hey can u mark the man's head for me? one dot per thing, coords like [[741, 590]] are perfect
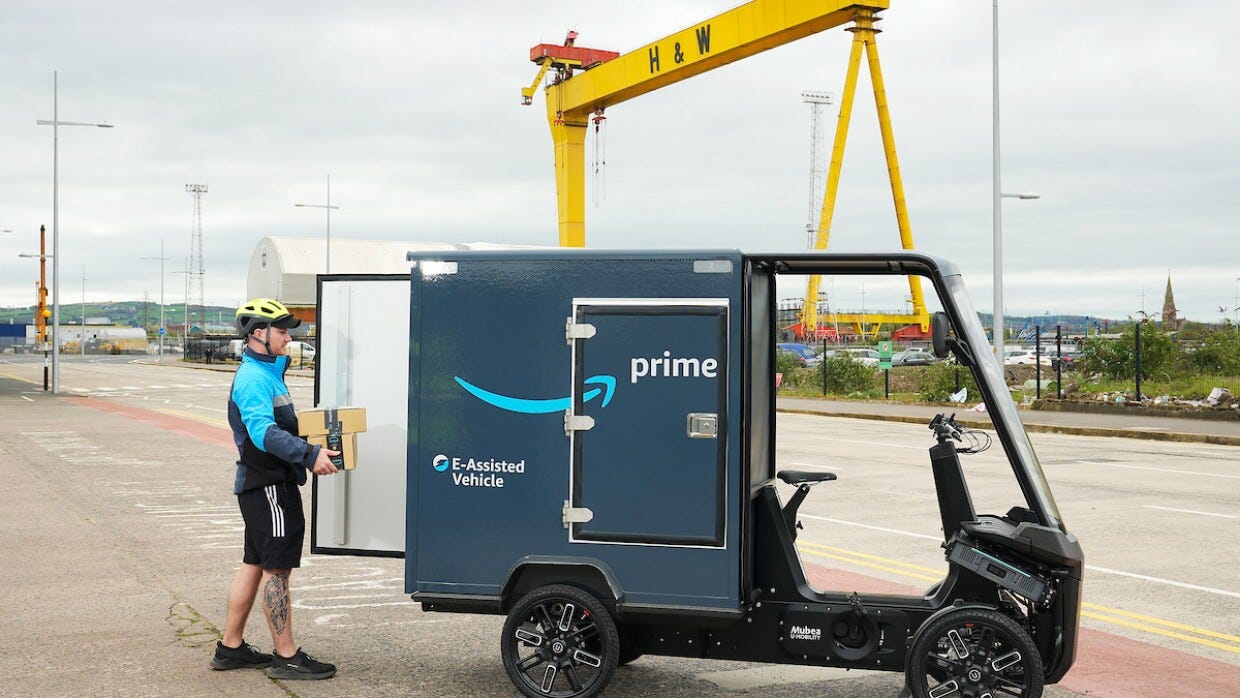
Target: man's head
[[265, 323]]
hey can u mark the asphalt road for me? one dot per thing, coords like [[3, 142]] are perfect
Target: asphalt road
[[123, 534]]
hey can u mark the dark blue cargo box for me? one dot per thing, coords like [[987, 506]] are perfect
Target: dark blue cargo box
[[571, 408]]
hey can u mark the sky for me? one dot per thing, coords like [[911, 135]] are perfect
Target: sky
[[1120, 115]]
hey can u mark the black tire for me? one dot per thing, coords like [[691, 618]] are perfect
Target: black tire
[[560, 642], [629, 651], [971, 653]]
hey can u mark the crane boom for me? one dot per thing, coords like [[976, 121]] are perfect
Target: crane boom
[[605, 79], [738, 33]]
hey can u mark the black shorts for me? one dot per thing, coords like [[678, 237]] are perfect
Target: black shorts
[[275, 526]]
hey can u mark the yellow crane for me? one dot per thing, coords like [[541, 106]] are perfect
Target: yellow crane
[[587, 81]]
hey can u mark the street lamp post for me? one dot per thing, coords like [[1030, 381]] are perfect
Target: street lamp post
[[998, 315], [82, 344], [162, 330], [56, 123], [40, 321], [185, 331], [328, 206]]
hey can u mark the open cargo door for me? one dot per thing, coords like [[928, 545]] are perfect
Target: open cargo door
[[363, 361]]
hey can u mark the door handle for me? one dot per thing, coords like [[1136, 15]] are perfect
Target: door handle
[[703, 425]]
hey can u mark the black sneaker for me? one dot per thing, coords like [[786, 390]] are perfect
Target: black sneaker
[[243, 657], [300, 666]]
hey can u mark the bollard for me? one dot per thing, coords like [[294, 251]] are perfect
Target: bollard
[[824, 365], [1059, 361], [1037, 348]]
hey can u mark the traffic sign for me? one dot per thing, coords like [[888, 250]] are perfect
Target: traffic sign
[[884, 354]]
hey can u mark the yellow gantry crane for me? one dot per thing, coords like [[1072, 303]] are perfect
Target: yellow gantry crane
[[587, 81]]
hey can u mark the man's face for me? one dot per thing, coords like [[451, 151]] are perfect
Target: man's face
[[277, 338]]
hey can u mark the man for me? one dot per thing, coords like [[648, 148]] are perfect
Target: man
[[273, 463]]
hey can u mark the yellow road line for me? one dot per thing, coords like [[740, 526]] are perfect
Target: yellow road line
[[1149, 624], [886, 561], [19, 378], [1159, 631], [1159, 621], [871, 565], [195, 417]]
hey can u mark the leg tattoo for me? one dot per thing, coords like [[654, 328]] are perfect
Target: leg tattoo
[[275, 598]]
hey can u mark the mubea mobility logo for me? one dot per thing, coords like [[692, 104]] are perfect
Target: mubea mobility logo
[[440, 462]]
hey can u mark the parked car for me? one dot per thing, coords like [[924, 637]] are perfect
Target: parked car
[[1017, 356], [300, 353], [804, 353], [865, 355], [915, 356]]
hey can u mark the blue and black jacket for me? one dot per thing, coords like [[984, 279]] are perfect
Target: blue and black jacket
[[264, 425]]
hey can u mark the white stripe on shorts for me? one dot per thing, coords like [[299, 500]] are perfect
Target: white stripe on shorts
[[277, 512]]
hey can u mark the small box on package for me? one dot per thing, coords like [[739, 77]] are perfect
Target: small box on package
[[335, 428]]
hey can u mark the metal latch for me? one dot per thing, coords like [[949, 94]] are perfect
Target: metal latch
[[703, 425], [576, 422], [573, 330], [576, 515]]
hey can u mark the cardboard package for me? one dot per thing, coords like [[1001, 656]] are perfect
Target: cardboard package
[[335, 428]]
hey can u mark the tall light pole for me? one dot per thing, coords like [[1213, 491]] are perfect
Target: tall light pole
[[56, 123], [998, 316], [185, 332], [328, 206], [82, 344], [162, 330]]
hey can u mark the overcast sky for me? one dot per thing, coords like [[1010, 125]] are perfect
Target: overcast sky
[[1121, 115]]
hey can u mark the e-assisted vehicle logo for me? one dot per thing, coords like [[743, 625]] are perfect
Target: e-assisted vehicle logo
[[476, 472]]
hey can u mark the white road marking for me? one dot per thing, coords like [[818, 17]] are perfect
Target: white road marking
[[1159, 580], [156, 387], [130, 387], [1089, 568], [80, 390], [1159, 470], [1192, 511], [897, 531], [812, 465], [104, 388], [27, 399]]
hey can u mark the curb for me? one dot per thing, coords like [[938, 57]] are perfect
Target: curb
[[1180, 437]]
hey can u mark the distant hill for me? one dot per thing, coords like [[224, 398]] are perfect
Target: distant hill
[[128, 313]]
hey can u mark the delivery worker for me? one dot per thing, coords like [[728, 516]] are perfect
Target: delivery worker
[[273, 463]]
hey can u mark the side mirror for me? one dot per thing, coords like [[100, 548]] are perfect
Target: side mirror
[[939, 328]]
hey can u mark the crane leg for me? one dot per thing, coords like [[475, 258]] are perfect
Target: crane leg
[[809, 311], [570, 176], [893, 169]]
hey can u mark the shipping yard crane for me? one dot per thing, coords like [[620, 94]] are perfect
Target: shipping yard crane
[[585, 82]]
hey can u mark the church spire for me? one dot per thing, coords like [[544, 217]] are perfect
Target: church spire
[[1169, 319]]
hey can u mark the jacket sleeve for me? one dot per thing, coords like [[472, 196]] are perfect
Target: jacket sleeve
[[257, 410]]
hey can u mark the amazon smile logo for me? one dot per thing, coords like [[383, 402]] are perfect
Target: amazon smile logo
[[538, 406]]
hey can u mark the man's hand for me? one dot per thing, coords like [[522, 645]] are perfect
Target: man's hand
[[323, 464]]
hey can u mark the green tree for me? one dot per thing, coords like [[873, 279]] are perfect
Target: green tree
[[938, 381], [846, 375], [1116, 358]]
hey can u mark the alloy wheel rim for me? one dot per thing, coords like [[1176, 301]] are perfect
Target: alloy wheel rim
[[558, 649], [975, 660]]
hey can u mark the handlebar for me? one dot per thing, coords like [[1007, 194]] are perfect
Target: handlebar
[[946, 430]]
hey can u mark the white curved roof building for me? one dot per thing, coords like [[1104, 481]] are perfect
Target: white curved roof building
[[285, 268]]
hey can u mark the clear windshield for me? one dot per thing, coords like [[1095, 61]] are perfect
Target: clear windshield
[[1003, 410]]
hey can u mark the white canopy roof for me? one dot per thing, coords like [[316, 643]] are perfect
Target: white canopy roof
[[285, 268]]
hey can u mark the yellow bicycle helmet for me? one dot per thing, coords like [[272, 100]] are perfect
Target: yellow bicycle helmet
[[261, 313]]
